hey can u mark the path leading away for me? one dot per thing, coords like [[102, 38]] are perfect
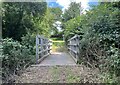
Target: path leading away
[[58, 58], [59, 74], [59, 67]]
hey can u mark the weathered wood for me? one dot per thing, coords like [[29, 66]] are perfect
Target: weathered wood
[[43, 47], [73, 47], [37, 49]]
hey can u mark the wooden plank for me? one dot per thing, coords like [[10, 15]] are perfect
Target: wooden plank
[[73, 50], [43, 57], [73, 38], [43, 51], [73, 57], [43, 44], [73, 47], [73, 44]]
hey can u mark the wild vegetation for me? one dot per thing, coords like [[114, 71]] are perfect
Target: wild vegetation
[[99, 31], [21, 22], [98, 28]]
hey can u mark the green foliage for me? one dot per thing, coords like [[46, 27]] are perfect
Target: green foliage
[[114, 60], [16, 56], [56, 12], [101, 34], [29, 42], [20, 24], [100, 37], [19, 18], [72, 12], [57, 39], [72, 27], [46, 25], [58, 45]]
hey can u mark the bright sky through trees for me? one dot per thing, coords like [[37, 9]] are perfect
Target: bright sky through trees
[[64, 4]]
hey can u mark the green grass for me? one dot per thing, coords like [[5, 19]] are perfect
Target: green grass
[[56, 39], [72, 78], [55, 74], [111, 79], [58, 45]]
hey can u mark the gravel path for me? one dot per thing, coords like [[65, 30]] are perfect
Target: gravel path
[[59, 74]]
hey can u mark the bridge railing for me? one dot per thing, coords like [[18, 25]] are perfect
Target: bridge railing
[[43, 48], [73, 47]]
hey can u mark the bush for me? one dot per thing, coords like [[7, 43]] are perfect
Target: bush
[[29, 42], [16, 56], [100, 37], [114, 60]]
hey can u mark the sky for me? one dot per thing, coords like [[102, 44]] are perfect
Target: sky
[[64, 4]]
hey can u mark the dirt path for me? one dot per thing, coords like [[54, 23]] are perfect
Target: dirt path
[[59, 74]]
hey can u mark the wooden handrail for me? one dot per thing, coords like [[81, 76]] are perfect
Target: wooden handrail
[[73, 47], [43, 47]]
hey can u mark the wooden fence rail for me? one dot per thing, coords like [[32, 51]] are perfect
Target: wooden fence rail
[[73, 47], [43, 48]]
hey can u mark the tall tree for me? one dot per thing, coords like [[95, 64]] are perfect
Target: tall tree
[[19, 18], [57, 12], [72, 12]]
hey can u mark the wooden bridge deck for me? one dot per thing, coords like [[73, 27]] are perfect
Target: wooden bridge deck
[[57, 58]]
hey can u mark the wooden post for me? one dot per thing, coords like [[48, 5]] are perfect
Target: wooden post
[[77, 49], [70, 47], [37, 49], [50, 46], [41, 46]]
